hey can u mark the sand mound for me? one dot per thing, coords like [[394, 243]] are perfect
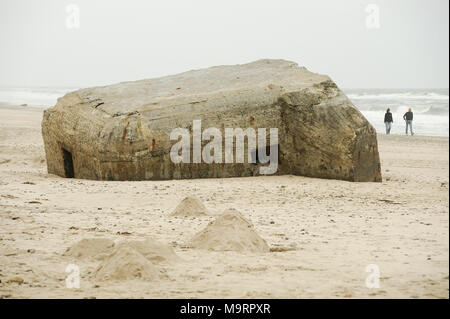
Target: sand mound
[[125, 264], [230, 231], [152, 250], [97, 248], [190, 206]]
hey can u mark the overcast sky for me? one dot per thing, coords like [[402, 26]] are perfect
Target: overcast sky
[[117, 41]]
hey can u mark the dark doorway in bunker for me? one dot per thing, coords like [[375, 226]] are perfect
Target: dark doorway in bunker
[[68, 164]]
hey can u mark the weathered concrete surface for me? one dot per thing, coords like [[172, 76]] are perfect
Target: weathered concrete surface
[[121, 131]]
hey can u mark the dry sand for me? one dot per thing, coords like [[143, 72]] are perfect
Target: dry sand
[[190, 207], [230, 232], [322, 233]]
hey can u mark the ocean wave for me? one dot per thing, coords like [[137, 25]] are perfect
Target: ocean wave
[[442, 110], [434, 110], [33, 96], [399, 96], [424, 124]]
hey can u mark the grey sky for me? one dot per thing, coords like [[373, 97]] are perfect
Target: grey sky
[[130, 40]]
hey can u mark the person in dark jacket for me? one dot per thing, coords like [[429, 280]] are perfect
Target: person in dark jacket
[[388, 121], [408, 117]]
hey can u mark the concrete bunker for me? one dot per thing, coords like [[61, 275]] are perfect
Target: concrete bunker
[[122, 131]]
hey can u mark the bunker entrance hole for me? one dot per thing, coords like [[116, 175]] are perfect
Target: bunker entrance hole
[[68, 164]]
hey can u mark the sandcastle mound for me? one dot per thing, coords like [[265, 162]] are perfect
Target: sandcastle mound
[[190, 206], [230, 232], [97, 248], [152, 250], [125, 264]]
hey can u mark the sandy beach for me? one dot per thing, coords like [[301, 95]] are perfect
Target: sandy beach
[[322, 234]]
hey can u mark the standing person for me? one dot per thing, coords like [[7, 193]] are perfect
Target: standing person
[[408, 117], [388, 121]]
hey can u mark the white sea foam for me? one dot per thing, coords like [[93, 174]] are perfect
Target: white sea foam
[[42, 97], [430, 107], [423, 124], [400, 96]]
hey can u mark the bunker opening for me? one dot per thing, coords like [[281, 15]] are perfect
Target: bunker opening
[[68, 164]]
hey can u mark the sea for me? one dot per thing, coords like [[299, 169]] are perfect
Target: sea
[[430, 106]]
